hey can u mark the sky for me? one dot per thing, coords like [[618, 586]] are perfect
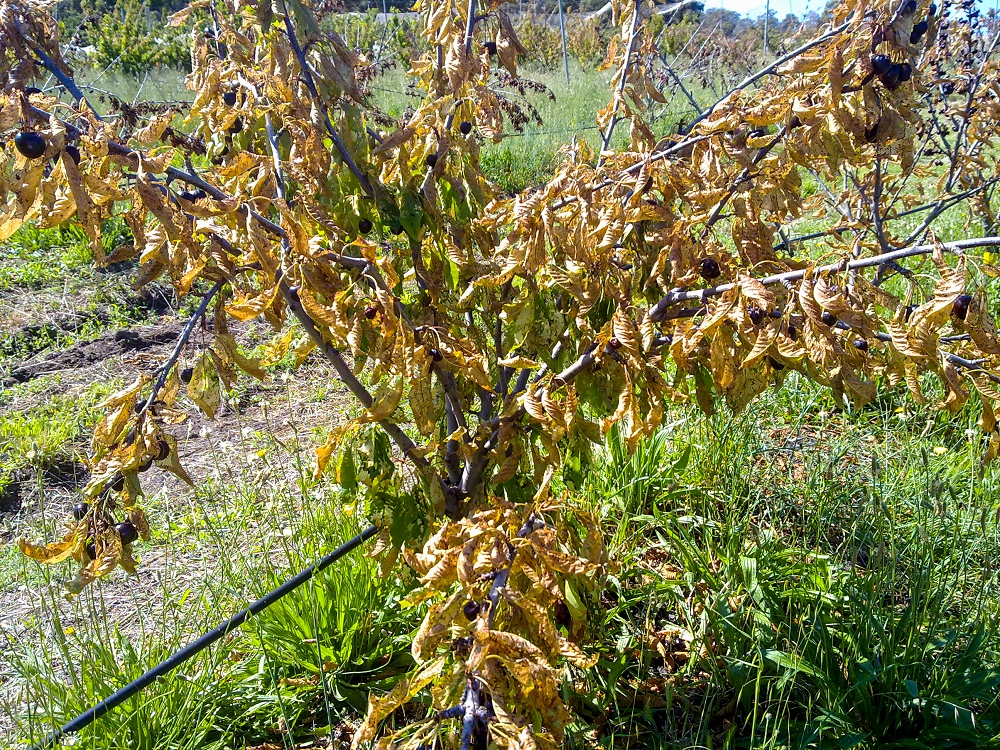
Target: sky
[[755, 8]]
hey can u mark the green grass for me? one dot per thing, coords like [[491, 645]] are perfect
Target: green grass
[[836, 593], [51, 434]]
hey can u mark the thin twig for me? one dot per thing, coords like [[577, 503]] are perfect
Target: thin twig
[[622, 77], [50, 65], [658, 312], [307, 77], [165, 368]]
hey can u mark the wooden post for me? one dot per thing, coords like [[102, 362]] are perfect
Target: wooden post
[[767, 19], [562, 30]]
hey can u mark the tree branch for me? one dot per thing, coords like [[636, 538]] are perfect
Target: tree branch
[[50, 65], [658, 312], [164, 369], [307, 77], [622, 74]]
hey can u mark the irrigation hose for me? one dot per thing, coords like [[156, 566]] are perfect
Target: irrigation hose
[[167, 665]]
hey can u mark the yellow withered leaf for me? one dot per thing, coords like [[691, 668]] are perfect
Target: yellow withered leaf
[[204, 388], [436, 625], [386, 403], [403, 692], [55, 552], [248, 308]]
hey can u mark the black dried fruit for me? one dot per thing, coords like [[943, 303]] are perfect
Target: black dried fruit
[[919, 29], [491, 47], [431, 160], [795, 122], [561, 614], [471, 610], [793, 332], [961, 307], [237, 126], [905, 72], [192, 195], [80, 511], [861, 345], [756, 315], [908, 312], [370, 312], [871, 134], [31, 145], [881, 64], [118, 483], [829, 318], [614, 343], [436, 355], [162, 450], [709, 268], [891, 79], [127, 532], [186, 374], [909, 9], [465, 127], [73, 153], [364, 226], [229, 98], [145, 465], [92, 551]]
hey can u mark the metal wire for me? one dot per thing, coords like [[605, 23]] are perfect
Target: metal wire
[[170, 663]]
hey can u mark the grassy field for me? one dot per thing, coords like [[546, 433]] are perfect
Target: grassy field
[[796, 576]]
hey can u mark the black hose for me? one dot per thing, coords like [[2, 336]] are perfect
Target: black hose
[[120, 696]]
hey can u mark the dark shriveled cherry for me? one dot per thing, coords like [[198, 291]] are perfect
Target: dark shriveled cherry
[[31, 145], [755, 314], [881, 64], [861, 345], [186, 374], [961, 306], [471, 610], [127, 532], [162, 450], [709, 269], [229, 98], [829, 318], [364, 226], [465, 127], [80, 511]]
